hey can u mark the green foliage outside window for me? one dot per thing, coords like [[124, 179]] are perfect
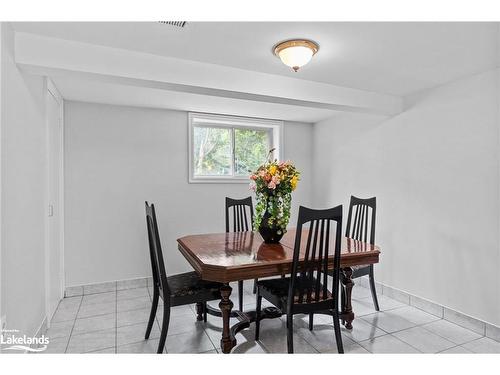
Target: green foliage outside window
[[212, 150], [250, 150]]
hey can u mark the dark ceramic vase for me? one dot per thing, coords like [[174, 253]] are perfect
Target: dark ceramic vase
[[268, 232]]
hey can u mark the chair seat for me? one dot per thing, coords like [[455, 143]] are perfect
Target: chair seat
[[359, 267], [357, 271], [278, 288], [189, 284]]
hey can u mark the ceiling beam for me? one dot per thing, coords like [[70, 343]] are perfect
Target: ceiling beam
[[52, 57]]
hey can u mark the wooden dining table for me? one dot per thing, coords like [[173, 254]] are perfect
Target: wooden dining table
[[234, 256]]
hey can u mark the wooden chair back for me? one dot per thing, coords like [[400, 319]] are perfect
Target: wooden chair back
[[309, 279], [241, 211], [155, 252], [364, 211]]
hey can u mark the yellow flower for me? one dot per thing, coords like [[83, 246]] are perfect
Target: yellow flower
[[272, 169], [293, 182]]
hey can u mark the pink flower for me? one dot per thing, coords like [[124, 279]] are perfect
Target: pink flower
[[262, 173], [271, 185], [275, 180], [253, 186], [253, 177]]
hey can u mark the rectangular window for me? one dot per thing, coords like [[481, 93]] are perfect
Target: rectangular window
[[228, 148]]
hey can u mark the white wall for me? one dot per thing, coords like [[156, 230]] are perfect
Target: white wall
[[2, 279], [434, 169], [22, 193], [118, 157]]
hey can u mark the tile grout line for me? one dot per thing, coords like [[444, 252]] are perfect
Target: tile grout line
[[92, 316], [74, 322], [208, 351], [468, 342], [440, 306], [423, 324], [209, 339], [353, 340], [311, 345], [443, 309], [269, 351], [437, 334], [361, 285], [98, 350], [116, 302], [420, 326], [397, 338], [453, 347], [391, 334], [205, 330], [106, 291]]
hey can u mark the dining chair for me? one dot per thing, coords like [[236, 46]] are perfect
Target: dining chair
[[241, 211], [364, 223], [306, 290], [176, 290]]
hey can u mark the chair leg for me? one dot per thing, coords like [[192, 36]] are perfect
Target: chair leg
[[204, 312], [257, 315], [152, 315], [240, 294], [311, 321], [338, 335], [255, 286], [373, 289], [164, 327], [289, 333]]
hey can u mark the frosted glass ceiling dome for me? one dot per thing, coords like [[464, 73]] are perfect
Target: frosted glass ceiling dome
[[296, 53]]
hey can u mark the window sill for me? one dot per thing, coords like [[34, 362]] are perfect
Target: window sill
[[221, 180]]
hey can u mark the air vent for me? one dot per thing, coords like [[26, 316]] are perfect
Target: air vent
[[174, 23]]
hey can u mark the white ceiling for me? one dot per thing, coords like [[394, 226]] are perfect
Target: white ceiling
[[392, 58]]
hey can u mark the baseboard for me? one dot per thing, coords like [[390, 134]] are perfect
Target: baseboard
[[108, 286], [474, 324]]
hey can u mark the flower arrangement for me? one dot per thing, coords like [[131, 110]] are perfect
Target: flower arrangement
[[273, 183]]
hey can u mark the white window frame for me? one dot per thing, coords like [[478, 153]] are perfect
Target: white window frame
[[232, 122]]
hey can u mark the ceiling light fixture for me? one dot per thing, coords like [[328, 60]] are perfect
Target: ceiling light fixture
[[296, 52]]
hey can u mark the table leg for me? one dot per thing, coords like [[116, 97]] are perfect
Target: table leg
[[227, 342], [347, 314], [199, 311], [342, 300]]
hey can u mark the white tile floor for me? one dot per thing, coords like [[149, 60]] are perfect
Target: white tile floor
[[113, 320]]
